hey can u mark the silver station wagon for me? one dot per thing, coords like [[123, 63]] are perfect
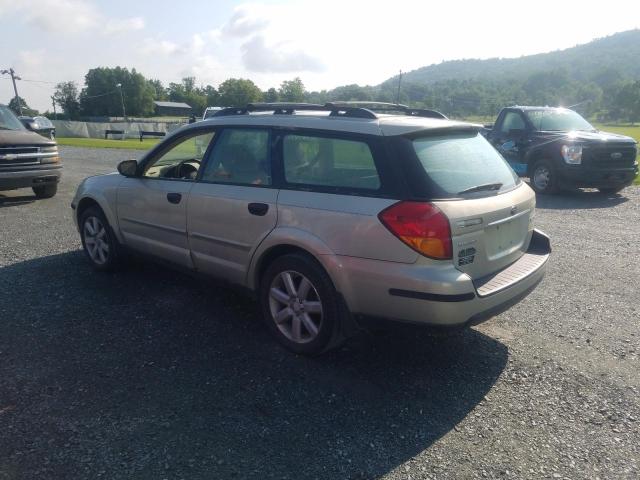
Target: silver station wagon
[[334, 215]]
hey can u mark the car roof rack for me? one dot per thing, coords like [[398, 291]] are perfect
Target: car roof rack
[[393, 107], [335, 109]]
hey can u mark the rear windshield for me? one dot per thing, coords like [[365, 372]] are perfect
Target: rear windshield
[[463, 162]]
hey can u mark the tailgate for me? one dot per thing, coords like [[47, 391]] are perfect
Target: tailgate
[[490, 233]]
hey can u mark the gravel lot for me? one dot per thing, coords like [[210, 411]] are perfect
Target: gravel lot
[[149, 373]]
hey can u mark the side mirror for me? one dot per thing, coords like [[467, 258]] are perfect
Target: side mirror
[[128, 168]]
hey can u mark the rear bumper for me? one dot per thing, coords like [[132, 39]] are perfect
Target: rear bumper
[[32, 177], [580, 176], [437, 295]]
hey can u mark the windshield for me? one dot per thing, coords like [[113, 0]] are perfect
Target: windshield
[[558, 120], [463, 163], [8, 121]]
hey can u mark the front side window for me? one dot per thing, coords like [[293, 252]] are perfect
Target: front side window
[[240, 156], [512, 121], [330, 162], [182, 161], [456, 163]]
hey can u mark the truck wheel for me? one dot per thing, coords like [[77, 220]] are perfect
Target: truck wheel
[[543, 177], [299, 304], [611, 190], [45, 191]]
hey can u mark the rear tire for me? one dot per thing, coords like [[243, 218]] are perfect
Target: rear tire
[[300, 304], [98, 240], [543, 177], [45, 191]]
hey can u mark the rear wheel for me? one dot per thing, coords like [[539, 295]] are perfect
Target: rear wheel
[[45, 191], [299, 304], [98, 240], [543, 177]]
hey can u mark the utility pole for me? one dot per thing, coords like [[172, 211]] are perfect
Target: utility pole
[[124, 114], [14, 77], [399, 83], [53, 102]]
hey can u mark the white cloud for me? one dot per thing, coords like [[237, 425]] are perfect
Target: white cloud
[[68, 16], [257, 56], [163, 47], [246, 20], [116, 25]]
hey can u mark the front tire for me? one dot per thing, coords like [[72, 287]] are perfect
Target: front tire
[[299, 304], [98, 240], [45, 191], [543, 177]]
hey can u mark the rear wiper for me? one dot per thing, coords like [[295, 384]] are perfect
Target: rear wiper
[[480, 188]]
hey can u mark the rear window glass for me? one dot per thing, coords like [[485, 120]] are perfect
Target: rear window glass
[[455, 163], [329, 162]]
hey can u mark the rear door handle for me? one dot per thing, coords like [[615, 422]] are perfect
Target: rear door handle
[[174, 197], [259, 209]]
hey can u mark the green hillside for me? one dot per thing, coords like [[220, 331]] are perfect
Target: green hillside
[[588, 62]]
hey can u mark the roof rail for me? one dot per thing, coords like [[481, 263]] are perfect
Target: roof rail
[[336, 109], [285, 108], [393, 107]]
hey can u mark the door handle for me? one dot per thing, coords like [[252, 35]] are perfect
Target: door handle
[[174, 197], [259, 209]]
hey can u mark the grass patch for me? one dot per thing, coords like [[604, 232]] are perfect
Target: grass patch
[[129, 143]]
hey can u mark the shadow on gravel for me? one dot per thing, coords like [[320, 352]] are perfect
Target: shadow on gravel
[[149, 373], [580, 199], [12, 201]]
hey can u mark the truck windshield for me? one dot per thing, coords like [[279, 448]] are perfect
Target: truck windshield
[[463, 164], [8, 121], [558, 120]]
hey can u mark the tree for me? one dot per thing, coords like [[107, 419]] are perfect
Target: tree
[[66, 96], [101, 95], [271, 95], [13, 105], [160, 91], [238, 92], [292, 90]]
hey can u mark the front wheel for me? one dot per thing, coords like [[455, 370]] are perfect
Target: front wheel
[[98, 240], [45, 191], [299, 304], [544, 178]]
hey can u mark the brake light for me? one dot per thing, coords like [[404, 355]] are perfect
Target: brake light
[[422, 226]]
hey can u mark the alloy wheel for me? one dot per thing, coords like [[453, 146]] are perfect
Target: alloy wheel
[[96, 240], [296, 307]]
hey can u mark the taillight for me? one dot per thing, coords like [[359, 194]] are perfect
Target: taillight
[[422, 226]]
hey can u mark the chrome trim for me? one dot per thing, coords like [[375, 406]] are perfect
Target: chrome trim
[[17, 156], [222, 241], [154, 225], [508, 219]]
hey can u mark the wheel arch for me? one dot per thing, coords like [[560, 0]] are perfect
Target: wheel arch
[[283, 241], [90, 201]]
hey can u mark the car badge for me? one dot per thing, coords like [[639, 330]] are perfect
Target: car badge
[[616, 155]]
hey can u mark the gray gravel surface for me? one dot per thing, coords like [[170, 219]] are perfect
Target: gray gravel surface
[[149, 373]]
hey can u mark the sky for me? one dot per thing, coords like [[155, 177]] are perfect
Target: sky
[[327, 43]]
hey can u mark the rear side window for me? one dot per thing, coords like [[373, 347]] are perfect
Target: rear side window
[[329, 162], [455, 163]]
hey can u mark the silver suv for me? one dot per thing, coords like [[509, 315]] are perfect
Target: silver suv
[[332, 214]]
